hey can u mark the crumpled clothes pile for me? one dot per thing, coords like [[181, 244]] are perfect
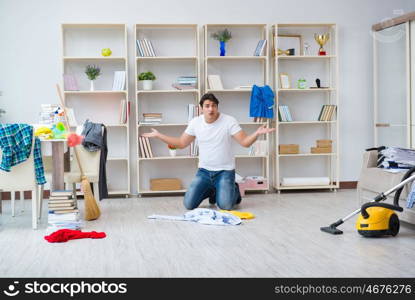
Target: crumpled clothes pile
[[204, 216]]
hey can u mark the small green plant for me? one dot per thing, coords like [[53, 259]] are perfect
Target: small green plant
[[222, 35], [92, 71], [171, 147], [146, 76]]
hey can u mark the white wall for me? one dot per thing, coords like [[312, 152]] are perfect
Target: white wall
[[30, 49]]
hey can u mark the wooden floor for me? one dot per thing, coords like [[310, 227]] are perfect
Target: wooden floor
[[283, 240]]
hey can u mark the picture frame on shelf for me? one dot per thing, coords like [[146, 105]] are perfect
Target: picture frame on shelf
[[285, 81], [290, 41]]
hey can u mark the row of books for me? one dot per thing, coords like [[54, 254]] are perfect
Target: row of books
[[193, 111], [260, 147], [124, 111], [327, 112], [259, 50], [215, 82], [284, 114], [145, 147], [260, 120], [185, 82], [70, 83], [145, 48], [119, 81], [62, 211], [152, 118]]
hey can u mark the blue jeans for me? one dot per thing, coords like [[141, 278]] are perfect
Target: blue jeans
[[220, 184]]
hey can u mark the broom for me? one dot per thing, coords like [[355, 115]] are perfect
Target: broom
[[92, 211]]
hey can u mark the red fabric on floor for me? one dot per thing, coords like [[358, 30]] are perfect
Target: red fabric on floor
[[64, 235]]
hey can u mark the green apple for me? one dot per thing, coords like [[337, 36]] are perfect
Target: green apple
[[106, 52]]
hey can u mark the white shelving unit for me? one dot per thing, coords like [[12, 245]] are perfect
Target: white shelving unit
[[177, 54], [239, 67], [81, 46], [305, 106]]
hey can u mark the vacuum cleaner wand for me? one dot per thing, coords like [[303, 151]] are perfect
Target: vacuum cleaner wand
[[382, 196]]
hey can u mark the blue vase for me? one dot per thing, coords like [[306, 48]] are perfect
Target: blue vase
[[222, 48]]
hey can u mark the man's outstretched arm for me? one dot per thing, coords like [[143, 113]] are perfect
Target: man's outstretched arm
[[247, 140], [180, 142]]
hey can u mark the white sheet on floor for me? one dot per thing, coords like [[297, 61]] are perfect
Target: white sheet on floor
[[204, 216]]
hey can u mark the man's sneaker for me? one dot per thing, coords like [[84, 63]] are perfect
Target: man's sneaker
[[238, 193]]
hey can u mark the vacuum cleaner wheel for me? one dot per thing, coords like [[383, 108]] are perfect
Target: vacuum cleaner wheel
[[393, 225]]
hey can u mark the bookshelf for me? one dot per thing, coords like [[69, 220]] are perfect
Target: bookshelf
[[306, 104], [81, 46], [239, 67], [176, 49]]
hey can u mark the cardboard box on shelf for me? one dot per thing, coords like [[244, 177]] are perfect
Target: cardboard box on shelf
[[165, 184], [289, 149], [321, 149], [324, 143]]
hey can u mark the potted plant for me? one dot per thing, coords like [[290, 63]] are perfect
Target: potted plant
[[92, 72], [223, 36], [172, 150], [147, 79]]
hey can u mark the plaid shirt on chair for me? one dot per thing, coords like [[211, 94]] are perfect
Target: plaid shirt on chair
[[16, 144]]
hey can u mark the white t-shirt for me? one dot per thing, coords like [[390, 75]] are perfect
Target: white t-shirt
[[214, 141]]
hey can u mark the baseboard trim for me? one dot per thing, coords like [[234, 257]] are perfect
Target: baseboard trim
[[348, 184], [27, 195], [46, 193]]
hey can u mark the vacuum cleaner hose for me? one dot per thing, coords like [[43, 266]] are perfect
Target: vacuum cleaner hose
[[399, 191], [376, 204]]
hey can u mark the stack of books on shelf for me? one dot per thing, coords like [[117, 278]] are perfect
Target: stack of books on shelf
[[194, 149], [47, 113], [327, 112], [243, 87], [145, 147], [284, 114], [259, 51], [63, 211], [185, 83], [145, 48], [119, 81], [152, 118], [192, 111], [259, 148], [70, 83], [124, 111], [215, 82]]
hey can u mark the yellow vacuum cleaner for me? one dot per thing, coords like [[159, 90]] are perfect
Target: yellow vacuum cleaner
[[377, 219]]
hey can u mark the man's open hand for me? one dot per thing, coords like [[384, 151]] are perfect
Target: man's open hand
[[153, 134], [263, 130]]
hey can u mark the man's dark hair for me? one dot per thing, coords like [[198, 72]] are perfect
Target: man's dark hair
[[208, 96]]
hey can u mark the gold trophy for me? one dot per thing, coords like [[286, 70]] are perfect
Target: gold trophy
[[321, 39]]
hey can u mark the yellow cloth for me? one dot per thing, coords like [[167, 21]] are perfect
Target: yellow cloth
[[241, 214]]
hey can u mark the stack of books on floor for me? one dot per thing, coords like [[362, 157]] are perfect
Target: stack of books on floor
[[284, 114], [145, 147], [152, 118], [145, 48], [63, 212], [327, 113], [185, 83]]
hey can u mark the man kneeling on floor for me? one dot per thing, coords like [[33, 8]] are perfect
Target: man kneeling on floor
[[215, 178]]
